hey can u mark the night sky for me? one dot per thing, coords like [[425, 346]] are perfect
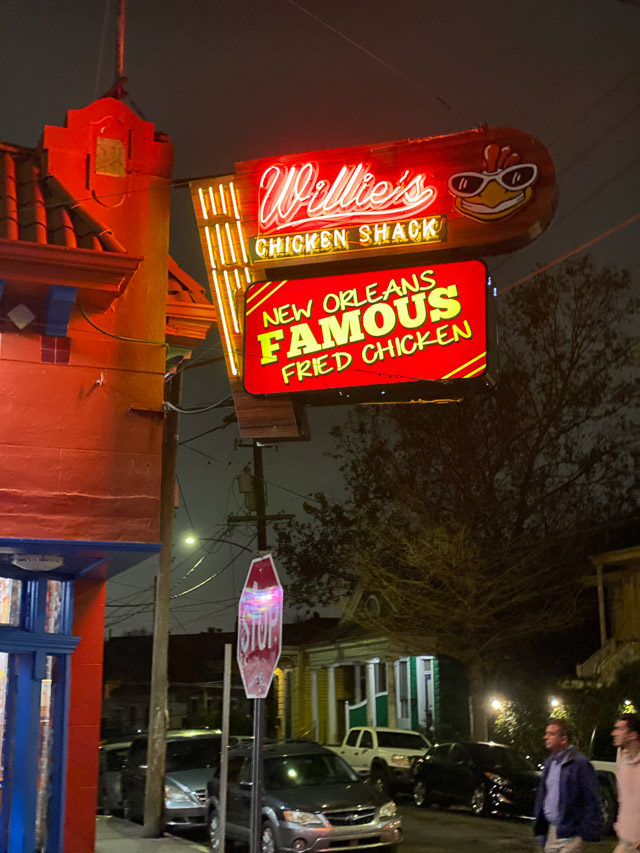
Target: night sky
[[254, 78]]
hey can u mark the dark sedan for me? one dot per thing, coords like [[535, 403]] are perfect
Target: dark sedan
[[486, 777]]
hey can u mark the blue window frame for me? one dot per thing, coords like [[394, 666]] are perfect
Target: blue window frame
[[35, 661]]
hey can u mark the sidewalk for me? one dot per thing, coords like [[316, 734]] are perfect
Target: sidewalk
[[120, 836]]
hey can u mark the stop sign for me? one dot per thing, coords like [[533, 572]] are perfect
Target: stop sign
[[260, 627]]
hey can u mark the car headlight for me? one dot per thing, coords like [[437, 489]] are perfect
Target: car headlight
[[401, 760], [302, 818], [498, 780], [176, 795], [388, 809]]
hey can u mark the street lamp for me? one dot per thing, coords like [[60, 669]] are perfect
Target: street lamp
[[554, 702], [496, 704], [193, 539]]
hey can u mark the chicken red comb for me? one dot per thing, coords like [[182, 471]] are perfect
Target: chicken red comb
[[497, 158]]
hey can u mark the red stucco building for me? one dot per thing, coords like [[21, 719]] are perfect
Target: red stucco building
[[91, 308]]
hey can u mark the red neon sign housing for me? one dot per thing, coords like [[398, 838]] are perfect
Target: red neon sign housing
[[348, 333], [294, 197]]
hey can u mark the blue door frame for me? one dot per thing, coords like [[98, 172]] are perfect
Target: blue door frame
[[31, 645]]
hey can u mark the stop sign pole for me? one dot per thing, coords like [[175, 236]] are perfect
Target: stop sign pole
[[259, 646]]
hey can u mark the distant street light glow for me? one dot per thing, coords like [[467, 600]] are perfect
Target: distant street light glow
[[496, 704], [554, 702], [190, 539]]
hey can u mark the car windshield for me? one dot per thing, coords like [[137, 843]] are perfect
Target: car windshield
[[191, 753], [401, 740], [296, 771], [498, 757]]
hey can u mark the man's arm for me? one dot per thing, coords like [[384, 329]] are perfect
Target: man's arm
[[591, 827]]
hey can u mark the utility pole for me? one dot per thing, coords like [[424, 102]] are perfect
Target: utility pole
[[158, 704], [258, 485], [260, 519]]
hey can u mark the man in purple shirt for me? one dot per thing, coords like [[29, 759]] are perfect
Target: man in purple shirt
[[567, 810]]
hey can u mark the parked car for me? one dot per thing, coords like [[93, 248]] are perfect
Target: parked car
[[603, 755], [486, 777], [387, 755], [312, 801], [190, 759], [111, 761]]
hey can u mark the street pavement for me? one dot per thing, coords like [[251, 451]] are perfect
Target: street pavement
[[435, 830], [426, 831], [114, 835]]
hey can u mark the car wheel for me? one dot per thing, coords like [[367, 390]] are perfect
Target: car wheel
[[379, 782], [213, 825], [420, 796], [479, 801], [268, 840], [607, 809]]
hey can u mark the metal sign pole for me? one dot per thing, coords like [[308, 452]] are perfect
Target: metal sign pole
[[224, 746], [256, 777]]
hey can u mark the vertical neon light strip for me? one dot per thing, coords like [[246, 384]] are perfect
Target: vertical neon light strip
[[204, 206], [236, 327], [208, 236], [220, 246], [213, 203], [233, 199], [231, 249], [234, 369]]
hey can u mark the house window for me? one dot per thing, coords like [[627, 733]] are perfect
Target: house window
[[381, 677]]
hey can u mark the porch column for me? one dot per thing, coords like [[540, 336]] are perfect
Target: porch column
[[371, 693], [392, 704], [357, 688], [315, 716], [332, 715]]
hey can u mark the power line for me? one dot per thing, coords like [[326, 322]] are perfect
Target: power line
[[377, 58], [564, 257]]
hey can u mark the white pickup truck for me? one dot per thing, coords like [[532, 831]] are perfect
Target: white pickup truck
[[387, 755]]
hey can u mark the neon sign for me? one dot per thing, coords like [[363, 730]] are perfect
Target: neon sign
[[344, 333], [293, 197]]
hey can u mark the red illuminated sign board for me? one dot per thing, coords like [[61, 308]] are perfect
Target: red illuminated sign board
[[484, 191], [337, 336]]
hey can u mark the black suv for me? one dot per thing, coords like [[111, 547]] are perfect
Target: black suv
[[312, 801]]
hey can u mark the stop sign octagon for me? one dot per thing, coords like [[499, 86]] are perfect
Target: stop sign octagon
[[260, 627]]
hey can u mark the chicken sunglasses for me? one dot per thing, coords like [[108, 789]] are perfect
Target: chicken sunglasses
[[513, 178]]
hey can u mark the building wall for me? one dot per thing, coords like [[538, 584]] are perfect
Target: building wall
[[80, 442], [84, 717]]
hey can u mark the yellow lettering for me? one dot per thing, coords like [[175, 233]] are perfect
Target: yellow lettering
[[339, 332], [387, 316], [269, 346], [402, 307], [302, 341], [444, 306]]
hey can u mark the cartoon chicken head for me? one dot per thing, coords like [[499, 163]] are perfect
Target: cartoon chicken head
[[503, 187]]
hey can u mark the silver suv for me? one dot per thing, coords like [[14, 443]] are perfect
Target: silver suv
[[190, 758], [312, 801]]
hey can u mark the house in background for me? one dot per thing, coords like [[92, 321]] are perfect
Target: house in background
[[617, 580], [347, 676]]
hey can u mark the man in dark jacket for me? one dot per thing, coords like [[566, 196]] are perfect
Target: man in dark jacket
[[567, 810]]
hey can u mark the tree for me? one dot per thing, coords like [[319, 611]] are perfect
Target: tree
[[472, 520]]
